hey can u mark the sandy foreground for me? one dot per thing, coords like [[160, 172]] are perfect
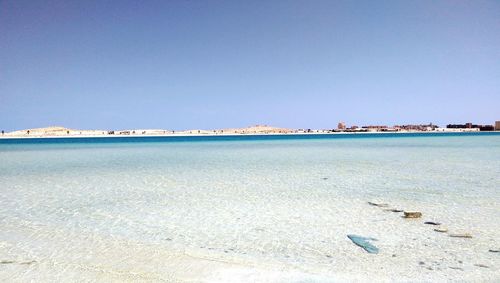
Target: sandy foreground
[[42, 258], [139, 263]]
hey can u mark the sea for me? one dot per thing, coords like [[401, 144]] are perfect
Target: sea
[[250, 208]]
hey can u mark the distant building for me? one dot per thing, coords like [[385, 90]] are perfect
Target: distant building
[[355, 129], [471, 126], [341, 126], [459, 126], [421, 127], [486, 128], [497, 126], [376, 127]]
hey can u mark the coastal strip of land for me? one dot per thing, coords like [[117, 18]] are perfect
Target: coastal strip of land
[[58, 131]]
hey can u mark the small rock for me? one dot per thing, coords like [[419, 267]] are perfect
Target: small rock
[[6, 261], [432, 223], [464, 235], [482, 265], [325, 178], [494, 251], [457, 268], [412, 214], [441, 230], [393, 210], [378, 204], [421, 262]]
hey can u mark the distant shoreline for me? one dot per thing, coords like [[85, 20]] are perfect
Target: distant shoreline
[[111, 136], [256, 130]]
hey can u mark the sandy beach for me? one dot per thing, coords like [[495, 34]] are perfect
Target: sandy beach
[[57, 131], [60, 132]]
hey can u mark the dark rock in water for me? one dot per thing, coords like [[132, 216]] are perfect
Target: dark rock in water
[[393, 210], [494, 251], [412, 214], [482, 265], [378, 204], [364, 243], [441, 230], [432, 223], [324, 178], [23, 262], [421, 262], [464, 235], [6, 261]]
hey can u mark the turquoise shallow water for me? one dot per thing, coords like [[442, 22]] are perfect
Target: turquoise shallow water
[[282, 202]]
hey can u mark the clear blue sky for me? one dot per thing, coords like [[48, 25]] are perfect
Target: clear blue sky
[[215, 64]]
